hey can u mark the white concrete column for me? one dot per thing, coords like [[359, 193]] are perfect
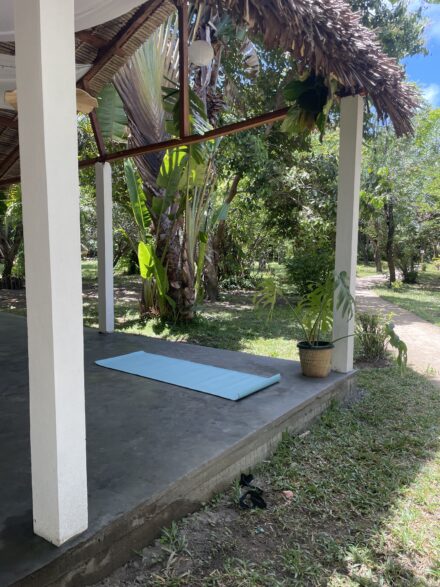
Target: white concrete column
[[350, 158], [104, 207], [45, 59]]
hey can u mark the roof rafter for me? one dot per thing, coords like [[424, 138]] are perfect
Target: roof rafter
[[8, 122], [226, 130], [9, 161], [117, 43]]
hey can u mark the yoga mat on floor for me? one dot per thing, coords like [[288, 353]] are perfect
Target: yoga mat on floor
[[233, 385]]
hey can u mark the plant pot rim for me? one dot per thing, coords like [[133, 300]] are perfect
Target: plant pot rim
[[320, 345]]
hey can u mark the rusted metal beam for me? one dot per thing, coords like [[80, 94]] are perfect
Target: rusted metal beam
[[99, 139], [117, 43], [216, 133], [184, 122], [227, 130]]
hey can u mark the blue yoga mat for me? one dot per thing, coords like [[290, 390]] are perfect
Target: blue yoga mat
[[232, 385]]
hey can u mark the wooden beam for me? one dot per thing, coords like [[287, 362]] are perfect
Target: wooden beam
[[229, 129], [99, 139], [9, 161], [223, 131], [184, 122], [8, 122], [117, 43], [94, 40]]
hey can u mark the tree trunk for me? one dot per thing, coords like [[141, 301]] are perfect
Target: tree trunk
[[391, 229], [171, 247], [9, 247], [211, 271], [377, 251]]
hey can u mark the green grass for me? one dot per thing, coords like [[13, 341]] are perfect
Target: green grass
[[232, 324], [363, 270], [363, 510], [422, 299]]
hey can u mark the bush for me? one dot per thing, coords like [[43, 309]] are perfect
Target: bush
[[308, 268], [372, 336], [410, 276], [240, 282]]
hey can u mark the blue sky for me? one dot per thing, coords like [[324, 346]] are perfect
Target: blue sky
[[426, 70]]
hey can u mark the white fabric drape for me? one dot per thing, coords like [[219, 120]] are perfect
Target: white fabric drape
[[88, 13], [7, 77]]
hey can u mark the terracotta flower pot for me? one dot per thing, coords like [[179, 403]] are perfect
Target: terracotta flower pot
[[315, 360]]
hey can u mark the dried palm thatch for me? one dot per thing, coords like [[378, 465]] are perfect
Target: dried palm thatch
[[327, 37], [324, 36]]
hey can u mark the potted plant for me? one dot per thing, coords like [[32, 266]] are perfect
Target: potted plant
[[314, 315]]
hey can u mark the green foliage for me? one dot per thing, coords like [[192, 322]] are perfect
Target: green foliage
[[11, 231], [153, 272], [111, 115], [138, 200], [403, 174], [312, 99], [308, 267], [399, 26], [398, 344], [372, 335], [314, 312], [375, 332]]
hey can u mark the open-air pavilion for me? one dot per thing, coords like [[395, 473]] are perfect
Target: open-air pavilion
[[70, 512]]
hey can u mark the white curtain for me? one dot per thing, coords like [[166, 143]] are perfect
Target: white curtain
[[88, 13], [7, 77]]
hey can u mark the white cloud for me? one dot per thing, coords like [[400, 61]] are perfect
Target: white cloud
[[431, 93], [433, 28]]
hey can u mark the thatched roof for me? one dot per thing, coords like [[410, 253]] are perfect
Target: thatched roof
[[328, 37], [323, 35]]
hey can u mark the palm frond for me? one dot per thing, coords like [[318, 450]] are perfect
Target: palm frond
[[139, 83]]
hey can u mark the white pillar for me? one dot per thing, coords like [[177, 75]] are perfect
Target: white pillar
[[45, 59], [350, 158], [105, 247]]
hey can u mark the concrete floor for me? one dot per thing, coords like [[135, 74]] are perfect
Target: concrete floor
[[155, 451]]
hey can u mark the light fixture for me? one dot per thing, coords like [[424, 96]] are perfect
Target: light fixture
[[200, 53]]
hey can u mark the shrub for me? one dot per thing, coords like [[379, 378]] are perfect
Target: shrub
[[372, 335], [410, 277], [309, 267], [240, 282]]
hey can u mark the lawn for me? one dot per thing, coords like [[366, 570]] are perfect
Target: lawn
[[363, 270], [232, 323], [363, 507], [422, 298]]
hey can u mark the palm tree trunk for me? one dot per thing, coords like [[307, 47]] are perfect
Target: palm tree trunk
[[211, 271]]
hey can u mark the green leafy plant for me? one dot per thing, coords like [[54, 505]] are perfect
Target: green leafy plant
[[308, 267], [153, 272], [311, 100], [314, 312], [172, 540], [375, 332]]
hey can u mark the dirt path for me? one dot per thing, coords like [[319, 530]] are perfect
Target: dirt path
[[421, 337]]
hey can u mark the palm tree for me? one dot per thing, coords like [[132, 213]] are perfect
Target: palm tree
[[182, 211]]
